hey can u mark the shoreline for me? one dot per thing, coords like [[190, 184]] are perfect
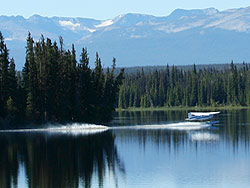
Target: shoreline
[[176, 108]]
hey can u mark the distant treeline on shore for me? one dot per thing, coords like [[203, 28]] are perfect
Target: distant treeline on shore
[[150, 69], [54, 87], [208, 85]]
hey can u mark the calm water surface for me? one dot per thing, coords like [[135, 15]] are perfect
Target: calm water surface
[[129, 155]]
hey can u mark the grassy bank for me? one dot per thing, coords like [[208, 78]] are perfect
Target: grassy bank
[[206, 108]]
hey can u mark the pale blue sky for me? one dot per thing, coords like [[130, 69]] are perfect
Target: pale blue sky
[[105, 9]]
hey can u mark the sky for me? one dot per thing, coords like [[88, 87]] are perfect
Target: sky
[[106, 9]]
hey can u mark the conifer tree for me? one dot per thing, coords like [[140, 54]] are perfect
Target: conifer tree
[[194, 90], [31, 81], [84, 95], [98, 76], [4, 78], [12, 87]]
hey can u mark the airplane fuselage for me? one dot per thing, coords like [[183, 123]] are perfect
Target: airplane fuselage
[[200, 116]]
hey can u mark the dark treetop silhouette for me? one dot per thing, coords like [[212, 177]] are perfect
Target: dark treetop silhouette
[[54, 87]]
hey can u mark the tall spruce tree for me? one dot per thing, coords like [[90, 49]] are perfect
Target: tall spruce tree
[[194, 90], [85, 90], [12, 87], [31, 81], [4, 78], [98, 76]]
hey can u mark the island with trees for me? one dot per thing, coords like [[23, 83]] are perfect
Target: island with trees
[[54, 87]]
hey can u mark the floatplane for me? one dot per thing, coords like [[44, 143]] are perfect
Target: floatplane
[[200, 116]]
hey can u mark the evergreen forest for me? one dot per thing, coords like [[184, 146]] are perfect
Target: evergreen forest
[[54, 87], [172, 86]]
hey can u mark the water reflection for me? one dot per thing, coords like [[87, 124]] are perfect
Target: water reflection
[[148, 117], [151, 157], [204, 136], [234, 125], [58, 161]]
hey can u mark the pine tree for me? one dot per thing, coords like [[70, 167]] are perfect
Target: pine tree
[[98, 86], [4, 65], [194, 90], [84, 92], [13, 95], [30, 81]]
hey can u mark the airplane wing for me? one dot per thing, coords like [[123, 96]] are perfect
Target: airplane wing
[[203, 113], [200, 116]]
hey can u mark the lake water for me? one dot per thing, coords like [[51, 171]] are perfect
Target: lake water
[[142, 150]]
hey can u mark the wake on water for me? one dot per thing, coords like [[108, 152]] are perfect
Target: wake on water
[[170, 126], [86, 129], [75, 129]]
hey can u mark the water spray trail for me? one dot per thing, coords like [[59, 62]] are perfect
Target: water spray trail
[[77, 128], [170, 126]]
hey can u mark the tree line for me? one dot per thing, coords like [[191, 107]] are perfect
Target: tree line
[[54, 87], [177, 87]]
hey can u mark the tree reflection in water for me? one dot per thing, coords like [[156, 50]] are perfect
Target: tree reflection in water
[[58, 160], [69, 161], [234, 127], [148, 117]]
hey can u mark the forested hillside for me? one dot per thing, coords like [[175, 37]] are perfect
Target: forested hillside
[[177, 87], [54, 87]]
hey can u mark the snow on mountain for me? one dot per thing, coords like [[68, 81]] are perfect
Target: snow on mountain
[[69, 24], [105, 23], [183, 37]]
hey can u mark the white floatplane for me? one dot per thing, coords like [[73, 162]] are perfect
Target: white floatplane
[[201, 116]]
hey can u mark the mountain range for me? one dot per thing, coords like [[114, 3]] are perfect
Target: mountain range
[[200, 36]]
